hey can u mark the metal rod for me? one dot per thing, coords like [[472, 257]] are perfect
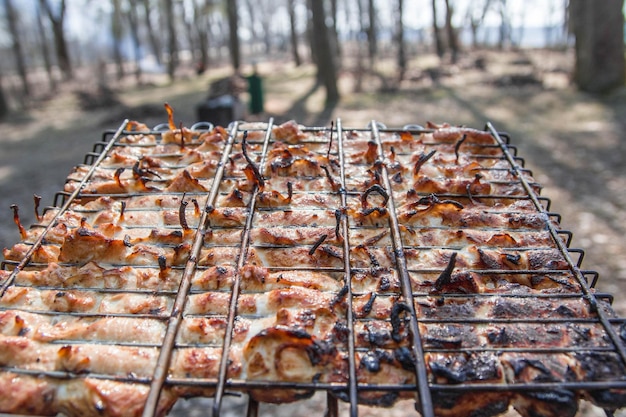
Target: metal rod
[[245, 241], [332, 407], [421, 374], [352, 382], [587, 293], [165, 354], [253, 408], [40, 239]]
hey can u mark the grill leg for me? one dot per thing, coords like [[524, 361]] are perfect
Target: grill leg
[[332, 407], [253, 408]]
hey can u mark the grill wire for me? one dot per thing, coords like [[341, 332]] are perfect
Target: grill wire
[[176, 296]]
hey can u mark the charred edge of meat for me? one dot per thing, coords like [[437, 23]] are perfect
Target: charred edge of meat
[[331, 180], [392, 154], [372, 152], [421, 161], [127, 241], [317, 244], [289, 192], [376, 188], [397, 178], [396, 320], [331, 252], [330, 141], [140, 173], [318, 350], [405, 357], [162, 266], [196, 207], [468, 189], [341, 332], [182, 215], [182, 136], [117, 174], [520, 364], [83, 224], [372, 359], [457, 146], [338, 216], [170, 116], [255, 169], [340, 296], [122, 210], [375, 239], [367, 308], [445, 277], [17, 221], [432, 200], [381, 210], [285, 160], [373, 260], [37, 199]]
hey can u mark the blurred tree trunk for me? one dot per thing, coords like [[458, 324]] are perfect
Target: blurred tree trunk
[[58, 22], [264, 14], [154, 40], [133, 21], [372, 33], [401, 58], [599, 31], [476, 21], [233, 30], [335, 32], [436, 32], [252, 6], [191, 39], [451, 32], [45, 52], [310, 34], [4, 106], [18, 53], [202, 28], [172, 47], [293, 33], [117, 32], [326, 69], [505, 32]]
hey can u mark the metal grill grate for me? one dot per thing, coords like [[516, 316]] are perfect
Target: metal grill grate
[[428, 317]]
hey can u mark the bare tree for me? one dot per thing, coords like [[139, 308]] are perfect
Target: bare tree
[[172, 46], [45, 51], [453, 43], [233, 30], [264, 14], [117, 33], [133, 21], [505, 24], [326, 68], [293, 32], [58, 29], [251, 6], [372, 33], [189, 32], [335, 31], [599, 31], [154, 39], [436, 32], [4, 106], [476, 13], [401, 58], [201, 9], [18, 53]]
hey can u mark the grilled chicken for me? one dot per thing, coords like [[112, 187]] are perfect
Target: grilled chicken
[[496, 303]]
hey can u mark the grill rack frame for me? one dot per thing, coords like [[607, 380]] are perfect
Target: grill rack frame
[[63, 200]]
